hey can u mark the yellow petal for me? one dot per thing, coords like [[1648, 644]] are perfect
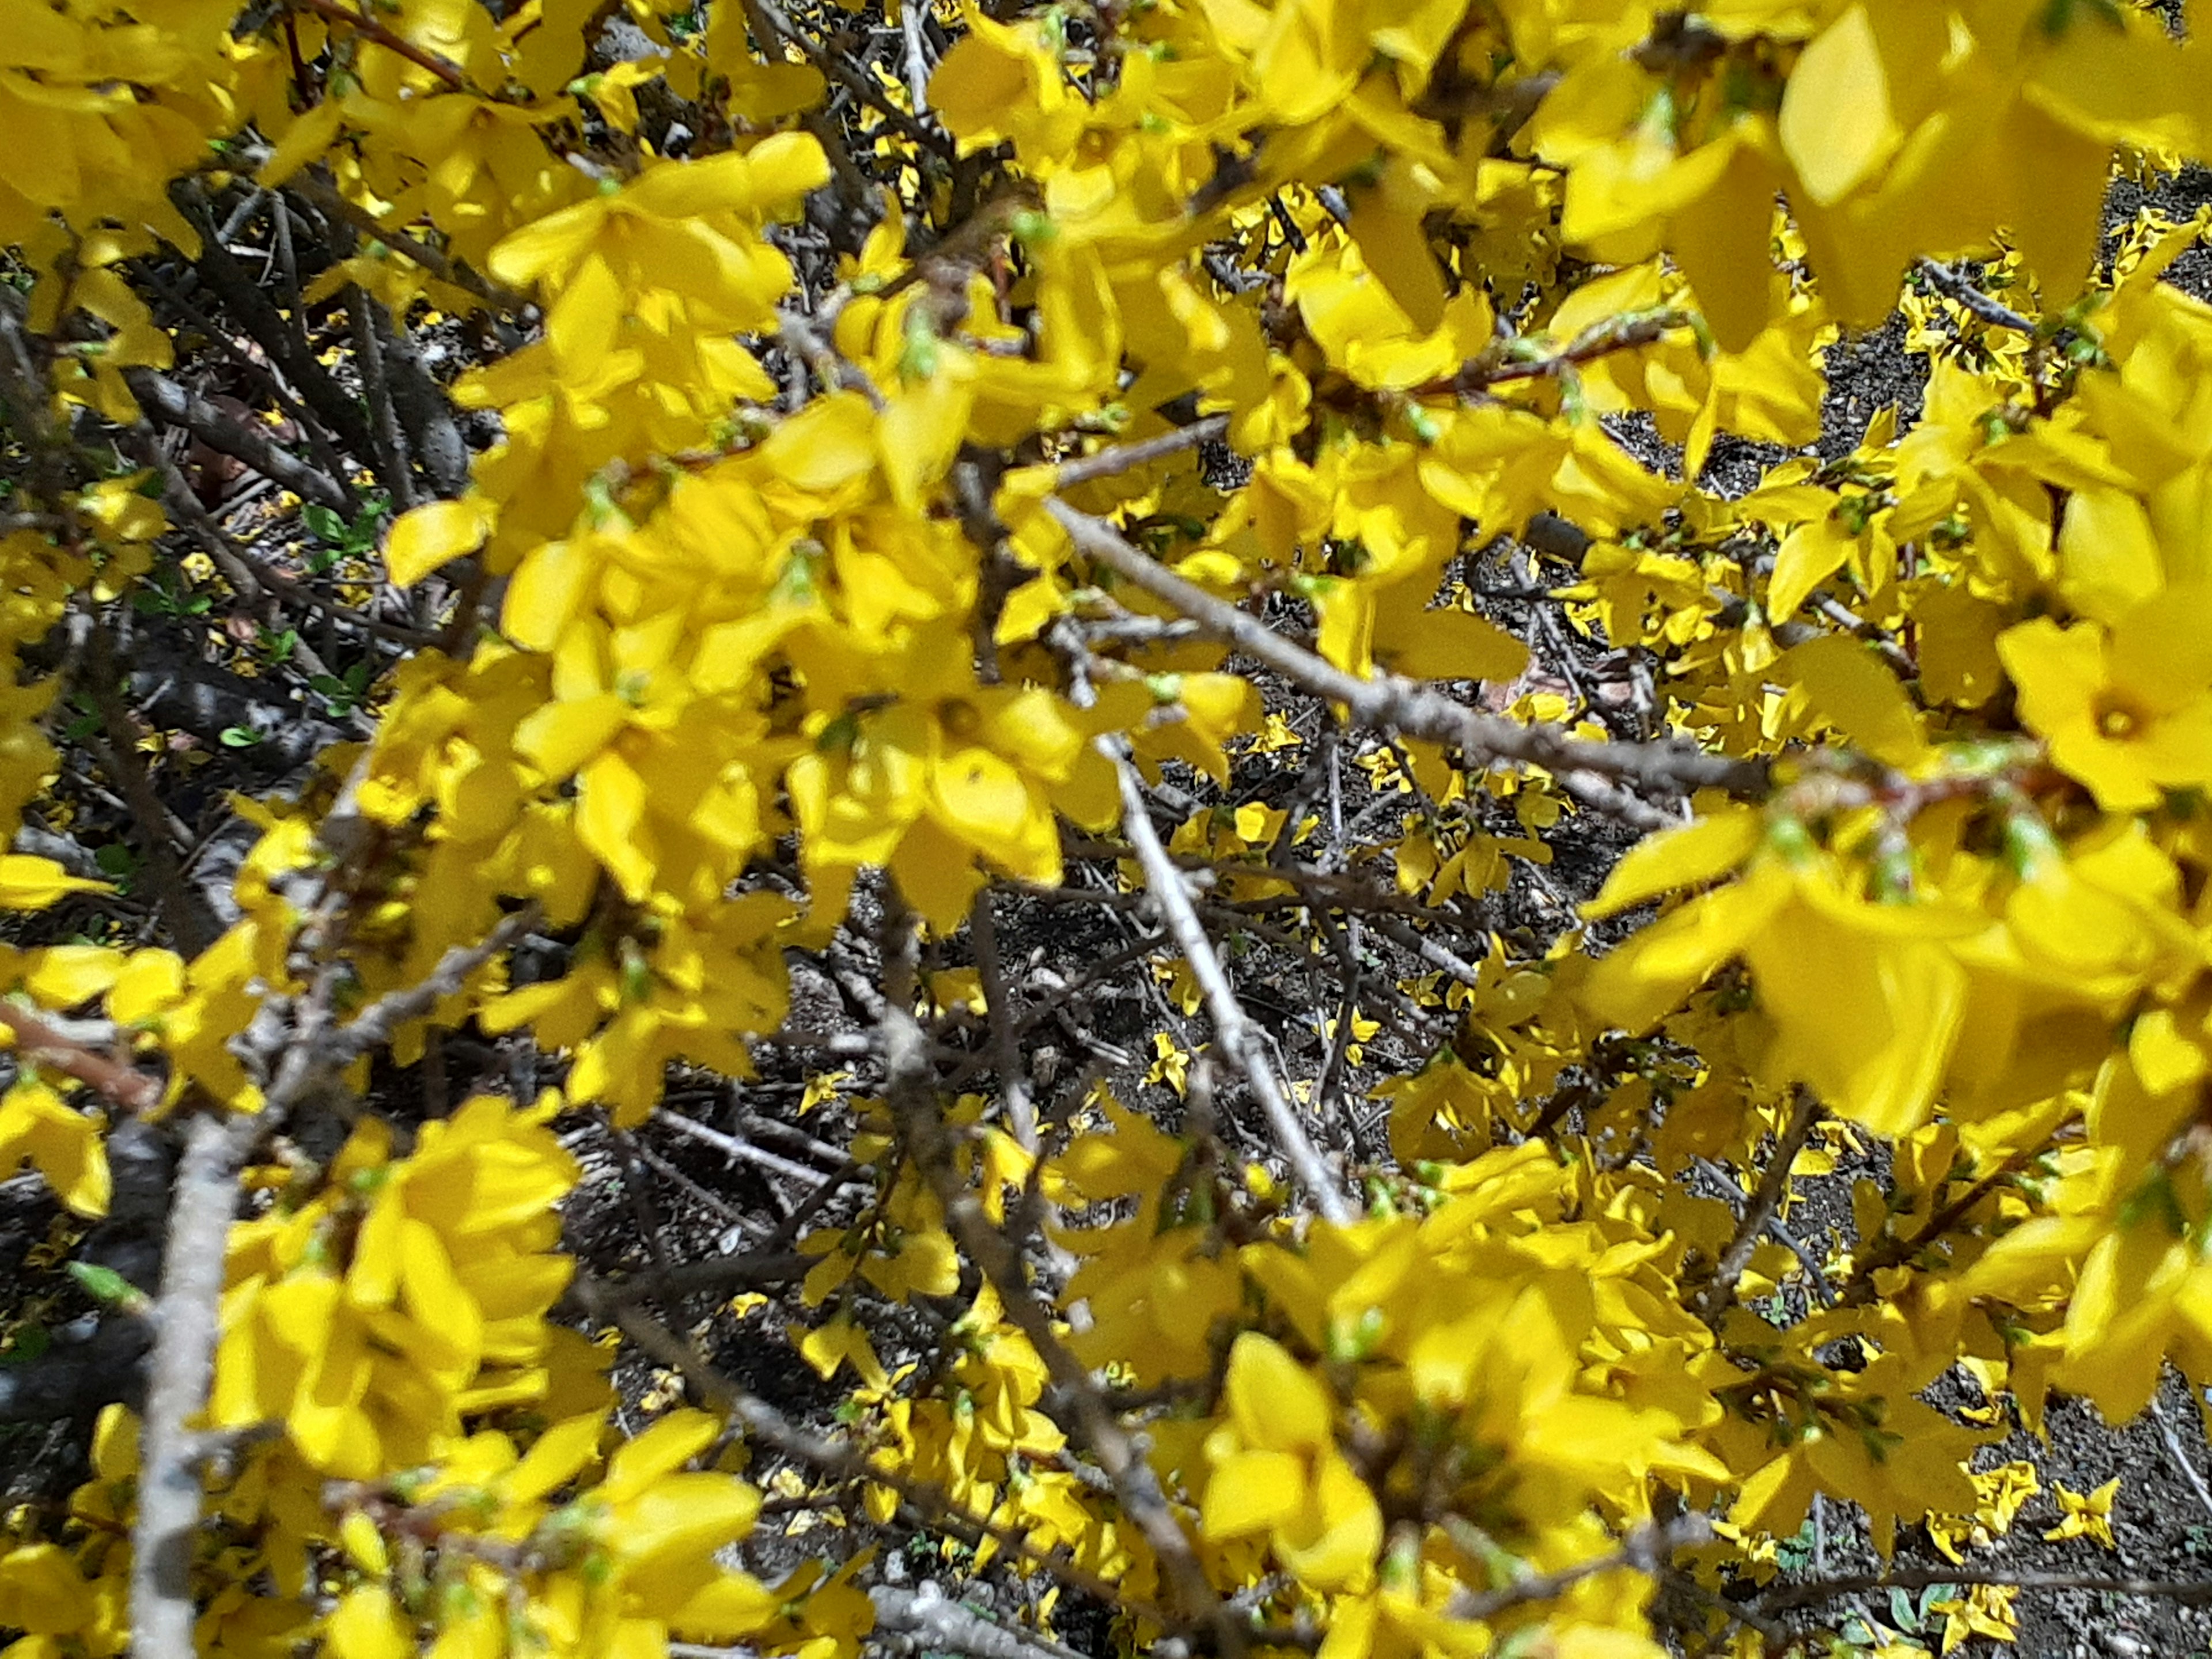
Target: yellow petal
[[1688, 857], [61, 1142], [32, 884], [1249, 1492], [1847, 686], [1809, 555], [669, 1444], [432, 534], [367, 1625], [1273, 1400], [558, 1458], [684, 1514], [1835, 124], [1337, 1546]]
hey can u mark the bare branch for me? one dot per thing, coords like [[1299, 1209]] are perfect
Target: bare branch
[[164, 399], [915, 1104], [329, 201], [2179, 1454], [1954, 285], [2189, 1592], [933, 1623], [1005, 1040], [1127, 457], [166, 1533], [161, 838], [1235, 1029], [136, 1091], [376, 1024], [1645, 1550], [839, 1461], [1391, 703], [369, 29], [1766, 1203]]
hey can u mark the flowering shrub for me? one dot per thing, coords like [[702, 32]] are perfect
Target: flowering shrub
[[748, 537]]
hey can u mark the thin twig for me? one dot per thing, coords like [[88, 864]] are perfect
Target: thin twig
[[394, 464], [1231, 1024], [1142, 451], [488, 289], [1898, 1251], [40, 1042], [611, 1306], [2179, 1454], [1645, 1550], [769, 24], [161, 841], [376, 1024], [734, 1146], [1766, 1203], [1511, 359], [2189, 1592], [1005, 1040], [369, 29], [1954, 285]]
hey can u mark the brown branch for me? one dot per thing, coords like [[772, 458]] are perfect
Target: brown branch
[[1512, 360], [192, 921], [377, 1025], [769, 1427], [1645, 1550], [1766, 1203], [488, 289], [1005, 1040], [164, 399], [1896, 1252], [769, 23], [369, 29], [136, 1091], [725, 1275], [914, 1104]]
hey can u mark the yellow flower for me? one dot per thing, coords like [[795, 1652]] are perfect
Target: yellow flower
[[2085, 1516], [63, 1143], [1277, 1471], [2127, 711], [1984, 1610]]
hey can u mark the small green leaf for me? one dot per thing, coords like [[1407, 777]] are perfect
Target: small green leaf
[[106, 1287], [322, 524], [1902, 1612]]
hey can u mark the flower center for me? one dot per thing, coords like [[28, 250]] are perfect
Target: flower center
[[959, 718], [2116, 719]]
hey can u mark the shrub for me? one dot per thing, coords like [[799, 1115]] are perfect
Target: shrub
[[1316, 828]]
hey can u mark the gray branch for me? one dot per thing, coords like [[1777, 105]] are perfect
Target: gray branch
[[1389, 702], [165, 400]]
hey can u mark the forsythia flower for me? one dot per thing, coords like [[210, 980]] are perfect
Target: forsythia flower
[[2127, 710], [2085, 1516], [1276, 1470]]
